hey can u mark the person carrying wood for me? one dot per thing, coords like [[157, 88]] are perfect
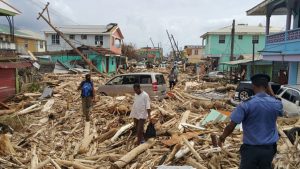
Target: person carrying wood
[[87, 95], [140, 112], [258, 116]]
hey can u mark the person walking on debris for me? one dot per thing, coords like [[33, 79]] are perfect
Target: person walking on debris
[[87, 95], [172, 78], [258, 116], [140, 111]]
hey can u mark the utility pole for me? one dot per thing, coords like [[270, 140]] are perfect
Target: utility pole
[[174, 53], [176, 45], [66, 39], [253, 55], [232, 46], [152, 42], [232, 41]]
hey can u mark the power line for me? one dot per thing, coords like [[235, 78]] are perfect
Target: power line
[[52, 11]]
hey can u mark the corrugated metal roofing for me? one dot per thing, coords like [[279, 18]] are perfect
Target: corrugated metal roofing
[[81, 29], [4, 29], [8, 10], [237, 62], [261, 9], [8, 65], [244, 29]]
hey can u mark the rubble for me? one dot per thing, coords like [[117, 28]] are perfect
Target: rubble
[[54, 134]]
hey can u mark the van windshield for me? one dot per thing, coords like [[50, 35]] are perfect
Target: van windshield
[[160, 79]]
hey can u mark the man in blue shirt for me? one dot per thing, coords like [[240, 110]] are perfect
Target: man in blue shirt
[[258, 116], [87, 96]]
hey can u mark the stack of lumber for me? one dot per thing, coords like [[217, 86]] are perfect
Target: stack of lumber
[[56, 136]]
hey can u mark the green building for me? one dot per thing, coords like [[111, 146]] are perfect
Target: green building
[[218, 43], [150, 54]]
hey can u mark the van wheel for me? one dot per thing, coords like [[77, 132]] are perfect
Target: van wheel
[[244, 95], [292, 133], [103, 94]]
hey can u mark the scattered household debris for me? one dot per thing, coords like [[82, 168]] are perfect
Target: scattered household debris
[[55, 135]]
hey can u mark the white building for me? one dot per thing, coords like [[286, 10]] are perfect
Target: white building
[[106, 36]]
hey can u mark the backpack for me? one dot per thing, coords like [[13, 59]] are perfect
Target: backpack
[[87, 89], [150, 131]]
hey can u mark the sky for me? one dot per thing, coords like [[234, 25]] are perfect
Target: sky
[[139, 20]]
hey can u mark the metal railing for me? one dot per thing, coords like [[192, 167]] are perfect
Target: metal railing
[[290, 35]]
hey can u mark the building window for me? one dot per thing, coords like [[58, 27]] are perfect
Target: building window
[[112, 62], [196, 52], [221, 38], [55, 39], [240, 37], [117, 43], [41, 44], [71, 36], [26, 43], [99, 40], [83, 37], [255, 39]]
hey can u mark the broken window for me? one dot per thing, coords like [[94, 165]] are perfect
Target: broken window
[[71, 36], [99, 40], [221, 38], [255, 39], [55, 39], [83, 37]]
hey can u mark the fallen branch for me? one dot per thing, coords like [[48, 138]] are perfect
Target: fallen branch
[[183, 151], [85, 144], [121, 163], [194, 152], [184, 118], [34, 158], [75, 164], [121, 131], [172, 154], [194, 163], [107, 135]]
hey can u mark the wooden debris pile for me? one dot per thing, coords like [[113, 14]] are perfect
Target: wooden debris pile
[[55, 135]]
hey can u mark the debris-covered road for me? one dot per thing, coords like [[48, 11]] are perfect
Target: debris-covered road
[[49, 133]]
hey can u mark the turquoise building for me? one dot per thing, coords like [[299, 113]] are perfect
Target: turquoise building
[[104, 61], [283, 46], [218, 43]]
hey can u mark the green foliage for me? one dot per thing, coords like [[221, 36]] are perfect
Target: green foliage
[[34, 87]]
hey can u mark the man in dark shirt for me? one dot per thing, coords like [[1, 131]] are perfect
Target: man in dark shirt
[[87, 95], [258, 116]]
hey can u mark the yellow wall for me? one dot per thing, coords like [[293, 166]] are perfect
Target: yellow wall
[[32, 44]]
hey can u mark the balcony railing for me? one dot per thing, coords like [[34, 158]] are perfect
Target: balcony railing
[[7, 46], [292, 35]]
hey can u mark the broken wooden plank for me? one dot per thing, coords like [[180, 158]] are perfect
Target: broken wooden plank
[[133, 153]]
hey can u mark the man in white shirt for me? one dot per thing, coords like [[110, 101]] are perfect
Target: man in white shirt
[[140, 111]]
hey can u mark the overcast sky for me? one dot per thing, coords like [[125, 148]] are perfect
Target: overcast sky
[[141, 19]]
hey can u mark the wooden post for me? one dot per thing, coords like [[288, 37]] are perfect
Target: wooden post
[[67, 40]]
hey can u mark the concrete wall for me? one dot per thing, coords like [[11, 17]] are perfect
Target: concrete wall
[[90, 41], [242, 47], [293, 72], [101, 61]]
